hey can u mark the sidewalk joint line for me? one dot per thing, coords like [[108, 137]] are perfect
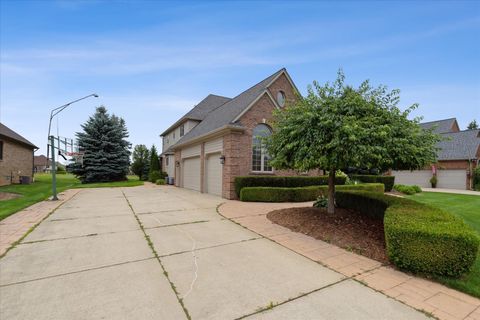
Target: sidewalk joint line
[[75, 272], [152, 247]]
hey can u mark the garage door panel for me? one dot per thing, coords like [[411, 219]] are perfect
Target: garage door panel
[[418, 177], [191, 173], [452, 179], [213, 174]]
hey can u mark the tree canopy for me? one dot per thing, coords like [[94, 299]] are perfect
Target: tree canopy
[[472, 125], [106, 150], [141, 161], [338, 126]]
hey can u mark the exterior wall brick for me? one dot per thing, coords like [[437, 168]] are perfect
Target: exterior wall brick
[[282, 84], [17, 161]]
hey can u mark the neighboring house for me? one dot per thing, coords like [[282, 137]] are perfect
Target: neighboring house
[[459, 154], [16, 156], [40, 163], [219, 138]]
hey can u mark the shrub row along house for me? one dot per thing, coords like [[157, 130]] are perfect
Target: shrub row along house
[[458, 156], [219, 138], [16, 157]]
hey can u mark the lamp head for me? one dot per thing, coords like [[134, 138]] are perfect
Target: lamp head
[[95, 95]]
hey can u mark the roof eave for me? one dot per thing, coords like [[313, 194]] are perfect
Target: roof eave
[[211, 134]]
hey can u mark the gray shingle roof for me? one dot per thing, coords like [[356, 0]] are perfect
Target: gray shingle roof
[[9, 133], [441, 126], [200, 111], [459, 145], [226, 113]]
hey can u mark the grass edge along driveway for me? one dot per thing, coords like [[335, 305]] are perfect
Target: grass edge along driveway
[[467, 208], [41, 189]]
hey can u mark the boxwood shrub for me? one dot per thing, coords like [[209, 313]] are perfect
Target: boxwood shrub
[[407, 189], [419, 238], [282, 182], [388, 181], [299, 194]]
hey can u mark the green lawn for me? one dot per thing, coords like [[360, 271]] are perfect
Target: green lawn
[[468, 208], [41, 189]]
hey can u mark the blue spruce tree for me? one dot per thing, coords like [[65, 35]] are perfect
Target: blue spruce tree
[[107, 155]]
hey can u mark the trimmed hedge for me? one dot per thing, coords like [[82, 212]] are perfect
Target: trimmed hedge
[[419, 238], [282, 182], [388, 181], [407, 189], [160, 181], [302, 194]]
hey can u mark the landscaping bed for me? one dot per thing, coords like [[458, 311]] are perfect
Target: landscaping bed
[[347, 229]]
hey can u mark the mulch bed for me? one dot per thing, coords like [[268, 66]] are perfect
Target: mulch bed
[[347, 229], [8, 195]]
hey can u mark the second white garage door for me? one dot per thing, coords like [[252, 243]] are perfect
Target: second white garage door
[[213, 174], [420, 178], [191, 173], [452, 179]]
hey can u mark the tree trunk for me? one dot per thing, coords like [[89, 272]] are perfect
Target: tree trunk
[[331, 191]]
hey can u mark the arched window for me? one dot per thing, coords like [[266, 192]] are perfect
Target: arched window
[[260, 157]]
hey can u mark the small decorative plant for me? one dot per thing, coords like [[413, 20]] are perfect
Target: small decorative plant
[[434, 181], [321, 202]]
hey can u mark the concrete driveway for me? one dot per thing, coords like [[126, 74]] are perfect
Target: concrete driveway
[[165, 253]]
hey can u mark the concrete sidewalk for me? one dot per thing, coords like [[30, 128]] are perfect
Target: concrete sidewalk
[[468, 192], [164, 253]]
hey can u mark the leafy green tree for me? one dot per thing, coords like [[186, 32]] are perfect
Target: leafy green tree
[[141, 161], [338, 126], [472, 125], [106, 150], [154, 160]]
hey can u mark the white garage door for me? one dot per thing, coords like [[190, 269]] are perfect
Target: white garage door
[[191, 173], [418, 177], [452, 179], [213, 174]]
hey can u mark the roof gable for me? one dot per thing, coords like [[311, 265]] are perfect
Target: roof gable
[[442, 126], [9, 133], [200, 111], [227, 113]]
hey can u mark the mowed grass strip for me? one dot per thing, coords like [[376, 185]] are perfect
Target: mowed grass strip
[[41, 189], [468, 208]]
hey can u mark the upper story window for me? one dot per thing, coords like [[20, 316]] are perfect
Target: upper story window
[[260, 157], [173, 135], [281, 98], [182, 130]]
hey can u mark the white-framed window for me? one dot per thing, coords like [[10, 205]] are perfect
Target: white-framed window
[[260, 157], [281, 98], [182, 130]]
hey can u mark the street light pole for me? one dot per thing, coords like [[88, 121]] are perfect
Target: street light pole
[[51, 143], [56, 111]]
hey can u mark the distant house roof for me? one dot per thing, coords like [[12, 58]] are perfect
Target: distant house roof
[[442, 126], [226, 113], [200, 111], [461, 145], [9, 133]]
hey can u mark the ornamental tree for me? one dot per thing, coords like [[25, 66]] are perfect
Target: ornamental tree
[[338, 126], [106, 150], [141, 161]]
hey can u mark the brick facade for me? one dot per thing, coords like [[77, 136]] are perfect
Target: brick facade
[[17, 161]]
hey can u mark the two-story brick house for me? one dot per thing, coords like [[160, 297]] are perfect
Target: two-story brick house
[[219, 138], [16, 156]]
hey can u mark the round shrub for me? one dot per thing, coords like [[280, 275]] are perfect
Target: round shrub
[[419, 238]]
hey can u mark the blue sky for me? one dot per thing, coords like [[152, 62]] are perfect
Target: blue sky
[[151, 61]]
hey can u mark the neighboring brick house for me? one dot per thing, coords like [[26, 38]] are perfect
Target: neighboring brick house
[[40, 163], [16, 156], [459, 154], [219, 138]]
